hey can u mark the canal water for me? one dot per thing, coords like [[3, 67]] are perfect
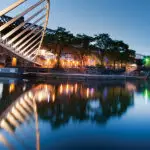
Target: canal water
[[68, 115]]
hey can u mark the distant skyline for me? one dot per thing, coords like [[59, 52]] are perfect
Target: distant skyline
[[127, 20]]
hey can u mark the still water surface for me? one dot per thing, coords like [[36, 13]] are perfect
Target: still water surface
[[58, 115]]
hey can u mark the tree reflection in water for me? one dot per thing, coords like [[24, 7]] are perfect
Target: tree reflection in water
[[78, 102], [63, 103]]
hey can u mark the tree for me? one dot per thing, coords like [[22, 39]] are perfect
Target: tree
[[114, 50], [85, 42], [129, 56], [102, 42], [60, 38], [49, 39], [117, 52], [124, 52]]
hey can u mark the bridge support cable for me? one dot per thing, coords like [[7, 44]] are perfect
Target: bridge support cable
[[20, 15], [29, 40], [46, 23], [27, 29], [11, 7], [22, 24], [25, 37], [33, 53], [30, 44], [22, 35], [31, 49]]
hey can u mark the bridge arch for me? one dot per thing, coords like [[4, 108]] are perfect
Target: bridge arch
[[23, 34]]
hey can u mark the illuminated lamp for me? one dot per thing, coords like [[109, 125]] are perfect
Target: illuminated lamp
[[14, 61]]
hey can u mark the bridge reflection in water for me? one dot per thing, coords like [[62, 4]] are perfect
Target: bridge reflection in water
[[58, 104]]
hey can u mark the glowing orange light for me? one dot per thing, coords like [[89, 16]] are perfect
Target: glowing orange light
[[40, 96], [14, 61], [76, 87], [87, 93], [53, 97], [71, 89], [61, 89], [63, 63], [11, 87], [48, 62], [67, 88], [94, 63], [46, 87]]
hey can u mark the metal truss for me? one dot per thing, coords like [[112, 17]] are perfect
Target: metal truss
[[23, 34]]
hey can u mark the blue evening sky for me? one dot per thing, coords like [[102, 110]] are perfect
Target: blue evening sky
[[127, 20]]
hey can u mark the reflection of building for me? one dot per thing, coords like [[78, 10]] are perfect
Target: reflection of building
[[57, 103]]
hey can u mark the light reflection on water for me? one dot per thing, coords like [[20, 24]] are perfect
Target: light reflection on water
[[66, 115]]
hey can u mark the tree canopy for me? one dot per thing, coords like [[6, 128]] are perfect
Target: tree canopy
[[106, 47]]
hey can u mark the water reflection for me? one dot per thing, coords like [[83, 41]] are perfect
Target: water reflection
[[59, 104], [84, 103], [11, 87]]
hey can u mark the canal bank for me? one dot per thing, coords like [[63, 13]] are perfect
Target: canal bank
[[21, 73], [86, 76]]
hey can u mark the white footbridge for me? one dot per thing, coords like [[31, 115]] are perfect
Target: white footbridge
[[22, 34]]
